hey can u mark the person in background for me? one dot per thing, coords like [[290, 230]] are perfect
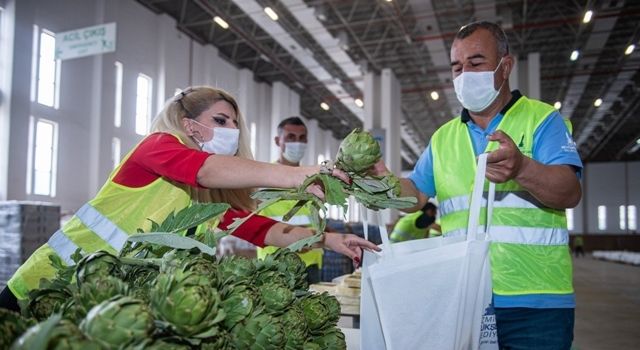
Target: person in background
[[533, 160], [292, 144], [416, 225], [578, 246], [197, 152]]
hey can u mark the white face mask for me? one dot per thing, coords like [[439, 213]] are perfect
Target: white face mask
[[294, 151], [475, 90], [224, 141]]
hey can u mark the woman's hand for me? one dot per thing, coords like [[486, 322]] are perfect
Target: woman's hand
[[348, 244]]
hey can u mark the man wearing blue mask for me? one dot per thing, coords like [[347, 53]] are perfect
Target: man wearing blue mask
[[292, 143], [535, 165]]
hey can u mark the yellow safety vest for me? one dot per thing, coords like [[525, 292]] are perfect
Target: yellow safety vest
[[104, 223], [276, 211], [405, 229], [529, 253]]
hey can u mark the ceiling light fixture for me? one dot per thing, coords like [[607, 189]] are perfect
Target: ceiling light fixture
[[557, 105], [574, 55], [271, 13], [587, 16], [434, 95], [324, 106], [359, 102], [221, 22], [629, 49], [597, 102]]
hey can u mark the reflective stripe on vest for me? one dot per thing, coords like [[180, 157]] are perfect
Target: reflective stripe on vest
[[521, 235], [96, 222], [518, 199], [63, 246]]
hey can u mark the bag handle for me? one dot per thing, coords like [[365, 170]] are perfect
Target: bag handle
[[386, 244], [476, 200]]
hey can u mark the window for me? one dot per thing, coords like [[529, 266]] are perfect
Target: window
[[115, 151], [623, 217], [631, 216], [117, 113], [46, 70], [143, 104], [602, 217], [42, 157], [570, 225], [254, 139]]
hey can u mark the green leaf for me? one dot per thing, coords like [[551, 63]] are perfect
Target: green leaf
[[172, 240], [77, 255], [371, 185], [305, 242], [333, 190], [190, 216], [237, 221]]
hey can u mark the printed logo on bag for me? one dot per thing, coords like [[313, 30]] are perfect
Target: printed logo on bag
[[488, 328]]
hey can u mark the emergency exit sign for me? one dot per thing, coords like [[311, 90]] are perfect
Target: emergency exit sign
[[86, 41]]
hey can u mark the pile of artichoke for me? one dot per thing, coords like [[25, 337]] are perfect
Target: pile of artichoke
[[174, 295]]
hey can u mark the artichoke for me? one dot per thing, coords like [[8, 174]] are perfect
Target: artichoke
[[358, 152], [321, 311], [311, 346], [61, 335], [276, 297], [186, 304], [331, 340], [238, 301], [118, 322], [97, 265], [12, 325], [140, 278], [222, 341], [296, 328], [41, 303], [92, 294], [291, 265], [262, 332], [236, 269]]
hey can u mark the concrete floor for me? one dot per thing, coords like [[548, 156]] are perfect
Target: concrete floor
[[608, 305]]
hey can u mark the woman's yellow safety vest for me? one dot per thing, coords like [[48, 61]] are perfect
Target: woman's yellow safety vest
[[276, 212], [104, 223], [529, 241]]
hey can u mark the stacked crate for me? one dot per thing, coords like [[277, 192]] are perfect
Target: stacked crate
[[24, 226]]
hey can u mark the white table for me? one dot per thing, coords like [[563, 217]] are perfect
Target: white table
[[352, 338]]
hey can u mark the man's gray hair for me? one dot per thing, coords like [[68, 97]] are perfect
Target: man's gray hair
[[494, 29]]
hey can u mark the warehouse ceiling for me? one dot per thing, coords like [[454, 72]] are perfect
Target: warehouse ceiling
[[322, 48]]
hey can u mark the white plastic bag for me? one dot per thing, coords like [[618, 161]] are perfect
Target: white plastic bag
[[431, 293]]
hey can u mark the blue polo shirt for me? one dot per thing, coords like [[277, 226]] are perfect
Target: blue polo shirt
[[552, 145]]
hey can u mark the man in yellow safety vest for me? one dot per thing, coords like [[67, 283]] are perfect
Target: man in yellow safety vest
[[534, 162], [292, 143], [416, 225]]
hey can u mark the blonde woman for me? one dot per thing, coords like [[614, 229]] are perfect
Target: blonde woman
[[198, 151]]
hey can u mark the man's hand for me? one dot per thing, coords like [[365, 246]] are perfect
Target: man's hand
[[505, 163], [348, 244]]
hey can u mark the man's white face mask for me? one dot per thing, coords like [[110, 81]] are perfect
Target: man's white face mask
[[475, 90], [294, 151], [224, 141]]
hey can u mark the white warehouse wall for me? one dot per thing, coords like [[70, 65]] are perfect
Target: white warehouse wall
[[146, 43]]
